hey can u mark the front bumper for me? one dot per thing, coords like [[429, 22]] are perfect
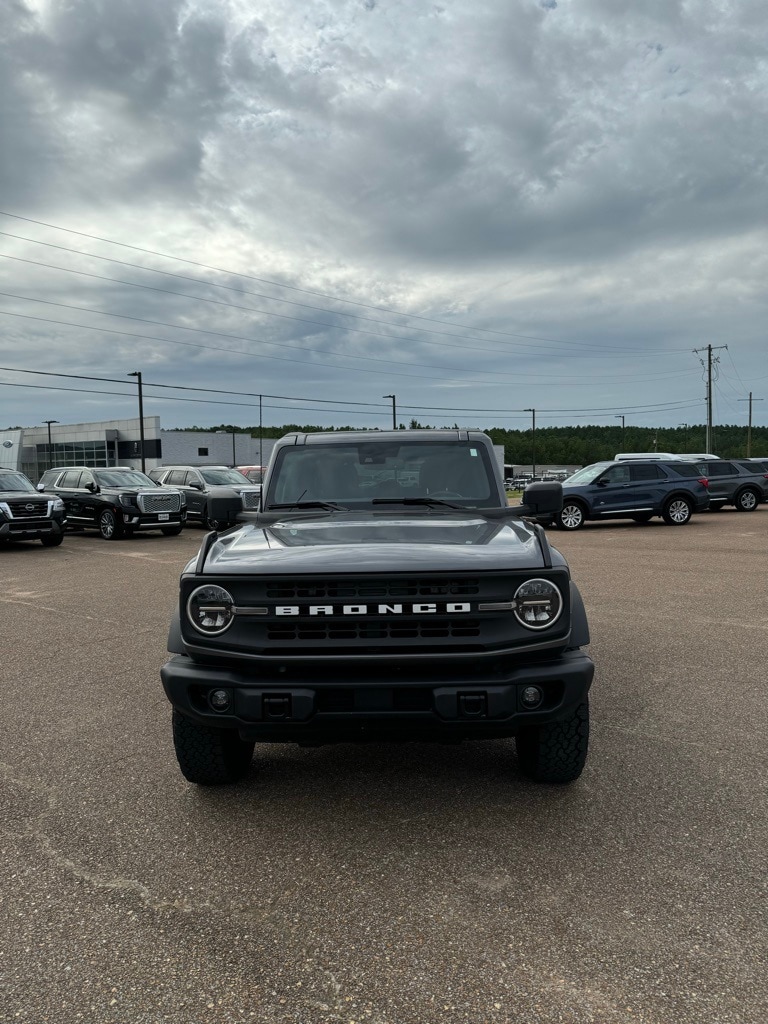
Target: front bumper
[[311, 711], [31, 529]]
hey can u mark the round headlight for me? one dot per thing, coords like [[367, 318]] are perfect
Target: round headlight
[[537, 604], [211, 610]]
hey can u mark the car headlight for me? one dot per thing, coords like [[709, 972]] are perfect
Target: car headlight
[[5, 509], [128, 500], [57, 505], [211, 610], [537, 604]]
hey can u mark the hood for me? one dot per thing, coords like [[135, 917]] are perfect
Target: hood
[[378, 543]]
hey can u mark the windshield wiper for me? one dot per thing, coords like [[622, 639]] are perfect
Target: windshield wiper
[[327, 506], [429, 502]]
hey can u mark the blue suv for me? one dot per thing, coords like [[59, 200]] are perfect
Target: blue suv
[[635, 490]]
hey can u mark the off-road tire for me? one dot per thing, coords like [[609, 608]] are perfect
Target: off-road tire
[[677, 511], [556, 751], [209, 756]]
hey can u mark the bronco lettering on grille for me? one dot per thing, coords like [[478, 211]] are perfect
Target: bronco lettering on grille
[[380, 609]]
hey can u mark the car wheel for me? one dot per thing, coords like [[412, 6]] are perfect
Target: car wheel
[[171, 531], [571, 516], [108, 526], [556, 751], [642, 517], [677, 511], [211, 524], [716, 507], [209, 756], [52, 540], [747, 500]]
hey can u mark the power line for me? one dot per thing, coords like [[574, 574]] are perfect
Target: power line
[[277, 284], [601, 353], [252, 355]]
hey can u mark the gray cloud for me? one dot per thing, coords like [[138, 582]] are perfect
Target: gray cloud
[[580, 172]]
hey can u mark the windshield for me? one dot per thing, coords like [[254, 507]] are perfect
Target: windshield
[[15, 482], [588, 474], [122, 478], [223, 476], [356, 474]]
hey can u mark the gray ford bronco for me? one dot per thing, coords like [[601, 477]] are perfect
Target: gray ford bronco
[[384, 590]]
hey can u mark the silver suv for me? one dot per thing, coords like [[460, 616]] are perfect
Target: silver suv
[[198, 483]]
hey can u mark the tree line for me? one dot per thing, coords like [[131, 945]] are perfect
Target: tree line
[[575, 446]]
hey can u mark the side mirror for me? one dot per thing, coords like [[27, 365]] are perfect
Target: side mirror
[[543, 498], [196, 485], [224, 505], [92, 487], [41, 487]]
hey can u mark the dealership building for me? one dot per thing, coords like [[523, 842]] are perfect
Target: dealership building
[[119, 443]]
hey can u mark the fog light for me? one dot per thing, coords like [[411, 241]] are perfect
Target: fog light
[[531, 697], [220, 700]]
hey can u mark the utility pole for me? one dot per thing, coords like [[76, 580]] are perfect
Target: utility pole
[[709, 349], [533, 465], [620, 416], [50, 443], [137, 374], [394, 411], [749, 428]]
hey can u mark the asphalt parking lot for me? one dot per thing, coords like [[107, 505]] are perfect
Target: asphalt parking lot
[[390, 884]]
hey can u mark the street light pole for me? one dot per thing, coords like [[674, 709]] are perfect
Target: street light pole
[[137, 375], [394, 411], [533, 465], [50, 443], [261, 457], [234, 456], [620, 416]]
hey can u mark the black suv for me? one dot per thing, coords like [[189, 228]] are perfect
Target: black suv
[[198, 483], [386, 589], [636, 489], [115, 501], [26, 514], [738, 482]]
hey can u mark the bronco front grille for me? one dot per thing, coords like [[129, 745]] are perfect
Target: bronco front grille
[[377, 632], [376, 590], [159, 501]]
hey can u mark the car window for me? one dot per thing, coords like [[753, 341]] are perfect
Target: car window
[[647, 472], [15, 482], [717, 468], [617, 475], [684, 469], [71, 478], [176, 476], [217, 477], [122, 478]]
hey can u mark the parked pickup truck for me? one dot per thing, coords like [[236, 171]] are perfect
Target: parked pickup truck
[[385, 589]]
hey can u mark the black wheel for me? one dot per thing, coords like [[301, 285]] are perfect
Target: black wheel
[[571, 516], [171, 531], [208, 523], [109, 527], [556, 751], [52, 540], [716, 507], [747, 500], [642, 517], [209, 756], [677, 511]]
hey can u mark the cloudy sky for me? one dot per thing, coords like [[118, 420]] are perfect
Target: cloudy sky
[[479, 206]]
